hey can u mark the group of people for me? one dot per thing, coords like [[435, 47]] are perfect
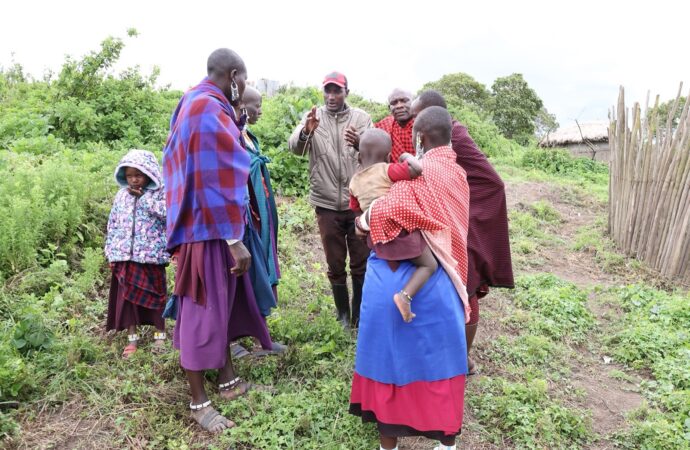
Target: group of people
[[410, 201]]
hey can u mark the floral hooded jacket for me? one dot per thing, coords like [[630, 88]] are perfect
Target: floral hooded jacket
[[136, 227]]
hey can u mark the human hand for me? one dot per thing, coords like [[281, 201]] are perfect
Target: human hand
[[242, 258], [137, 192], [312, 121], [352, 136], [359, 231]]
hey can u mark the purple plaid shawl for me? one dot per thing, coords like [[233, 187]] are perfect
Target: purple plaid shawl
[[205, 168]]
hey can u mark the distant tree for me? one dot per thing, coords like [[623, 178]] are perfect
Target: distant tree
[[461, 90], [376, 110], [515, 107], [665, 109], [545, 123]]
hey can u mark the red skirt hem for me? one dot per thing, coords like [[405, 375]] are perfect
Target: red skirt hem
[[423, 406]]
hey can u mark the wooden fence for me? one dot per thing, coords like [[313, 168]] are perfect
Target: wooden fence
[[649, 189]]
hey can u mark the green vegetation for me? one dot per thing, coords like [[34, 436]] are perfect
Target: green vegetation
[[653, 335], [592, 239], [531, 228], [525, 400], [557, 309]]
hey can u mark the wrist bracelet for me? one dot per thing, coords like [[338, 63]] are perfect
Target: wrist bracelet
[[303, 136]]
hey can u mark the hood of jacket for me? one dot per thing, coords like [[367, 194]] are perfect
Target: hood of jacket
[[143, 160]]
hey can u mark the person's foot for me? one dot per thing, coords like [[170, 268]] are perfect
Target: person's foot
[[405, 307], [131, 347], [158, 346], [471, 367], [210, 420], [237, 351], [234, 388], [276, 349]]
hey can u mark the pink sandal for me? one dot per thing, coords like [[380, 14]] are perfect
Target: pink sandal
[[131, 347]]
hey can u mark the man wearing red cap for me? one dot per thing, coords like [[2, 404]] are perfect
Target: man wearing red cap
[[330, 136]]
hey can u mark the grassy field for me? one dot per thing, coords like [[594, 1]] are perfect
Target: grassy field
[[589, 351]]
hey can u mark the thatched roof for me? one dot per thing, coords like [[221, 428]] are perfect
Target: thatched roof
[[592, 131]]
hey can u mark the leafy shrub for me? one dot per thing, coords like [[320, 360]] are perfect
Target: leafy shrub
[[46, 212], [485, 133], [15, 374], [560, 162]]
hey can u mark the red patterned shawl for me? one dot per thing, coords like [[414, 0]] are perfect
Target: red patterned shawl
[[437, 204]]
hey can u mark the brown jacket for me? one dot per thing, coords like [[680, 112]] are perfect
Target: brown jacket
[[332, 162]]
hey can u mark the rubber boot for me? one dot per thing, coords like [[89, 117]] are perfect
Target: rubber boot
[[357, 284], [470, 332], [342, 303]]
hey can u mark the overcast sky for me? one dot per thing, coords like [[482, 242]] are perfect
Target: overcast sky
[[574, 54]]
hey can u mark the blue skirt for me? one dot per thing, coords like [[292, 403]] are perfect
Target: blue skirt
[[430, 348]]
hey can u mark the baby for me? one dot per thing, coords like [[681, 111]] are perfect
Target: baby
[[373, 180]]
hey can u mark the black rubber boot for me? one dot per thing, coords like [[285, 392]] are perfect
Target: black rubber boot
[[357, 284], [342, 303]]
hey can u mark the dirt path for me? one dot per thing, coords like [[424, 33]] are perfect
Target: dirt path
[[608, 399]]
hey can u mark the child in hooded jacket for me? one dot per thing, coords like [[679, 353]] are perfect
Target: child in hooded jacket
[[136, 250]]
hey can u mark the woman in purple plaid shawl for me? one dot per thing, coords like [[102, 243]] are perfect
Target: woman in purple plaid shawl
[[135, 248], [206, 170]]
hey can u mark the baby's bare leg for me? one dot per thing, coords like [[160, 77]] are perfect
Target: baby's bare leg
[[426, 266]]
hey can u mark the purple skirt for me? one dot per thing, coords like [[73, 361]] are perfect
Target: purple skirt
[[122, 314], [204, 332]]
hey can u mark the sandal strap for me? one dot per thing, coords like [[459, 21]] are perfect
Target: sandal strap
[[159, 336], [230, 384], [133, 337], [199, 406]]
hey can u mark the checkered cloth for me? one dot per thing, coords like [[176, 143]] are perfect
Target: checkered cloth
[[401, 136], [143, 284], [205, 168]]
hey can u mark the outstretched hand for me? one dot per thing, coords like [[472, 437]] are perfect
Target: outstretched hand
[[312, 122], [242, 258]]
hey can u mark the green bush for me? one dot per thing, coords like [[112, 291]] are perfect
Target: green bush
[[50, 206], [85, 103], [485, 133], [560, 162]]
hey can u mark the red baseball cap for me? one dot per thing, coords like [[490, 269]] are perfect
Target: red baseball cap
[[336, 78]]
